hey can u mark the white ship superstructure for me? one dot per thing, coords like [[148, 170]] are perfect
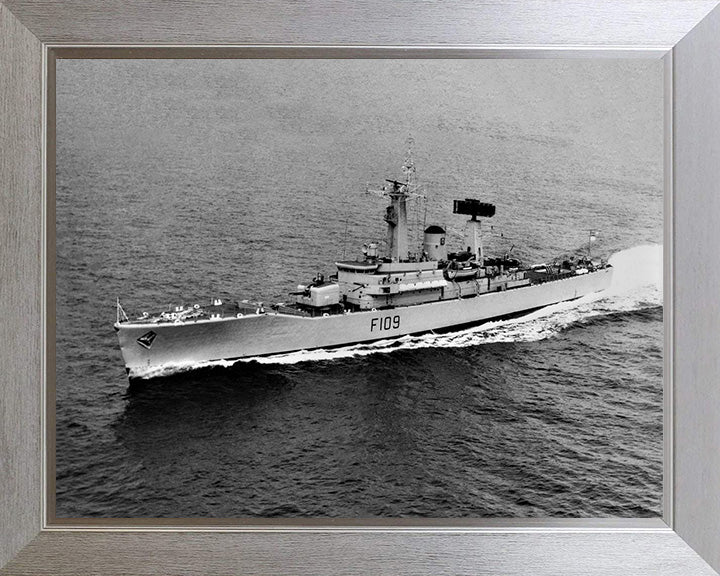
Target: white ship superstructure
[[376, 297]]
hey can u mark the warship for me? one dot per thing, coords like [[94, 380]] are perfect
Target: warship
[[375, 297]]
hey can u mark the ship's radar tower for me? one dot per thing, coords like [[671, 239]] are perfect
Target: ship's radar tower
[[396, 213], [396, 218], [475, 209]]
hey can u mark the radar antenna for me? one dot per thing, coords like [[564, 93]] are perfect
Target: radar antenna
[[474, 209]]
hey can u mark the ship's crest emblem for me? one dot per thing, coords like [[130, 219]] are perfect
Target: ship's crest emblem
[[147, 339]]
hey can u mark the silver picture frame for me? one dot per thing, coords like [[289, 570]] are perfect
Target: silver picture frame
[[684, 34]]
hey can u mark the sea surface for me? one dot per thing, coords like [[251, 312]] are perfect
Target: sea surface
[[179, 181]]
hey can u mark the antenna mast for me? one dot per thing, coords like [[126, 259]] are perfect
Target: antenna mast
[[396, 213]]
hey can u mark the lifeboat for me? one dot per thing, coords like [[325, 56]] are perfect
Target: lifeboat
[[361, 267], [456, 271]]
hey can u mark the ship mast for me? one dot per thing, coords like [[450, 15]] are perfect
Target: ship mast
[[396, 213], [396, 218], [473, 238]]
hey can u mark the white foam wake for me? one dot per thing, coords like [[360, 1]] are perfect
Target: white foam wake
[[636, 285], [177, 368]]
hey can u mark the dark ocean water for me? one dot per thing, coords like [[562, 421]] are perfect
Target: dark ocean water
[[183, 180]]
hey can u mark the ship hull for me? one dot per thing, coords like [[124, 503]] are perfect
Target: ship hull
[[151, 346]]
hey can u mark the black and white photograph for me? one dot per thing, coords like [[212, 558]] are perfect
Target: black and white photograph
[[360, 289]]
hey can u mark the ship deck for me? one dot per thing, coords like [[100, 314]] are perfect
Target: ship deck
[[196, 312], [238, 309]]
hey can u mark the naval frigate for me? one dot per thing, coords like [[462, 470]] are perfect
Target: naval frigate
[[379, 296]]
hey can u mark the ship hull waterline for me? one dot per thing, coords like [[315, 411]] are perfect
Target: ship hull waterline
[[168, 345]]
